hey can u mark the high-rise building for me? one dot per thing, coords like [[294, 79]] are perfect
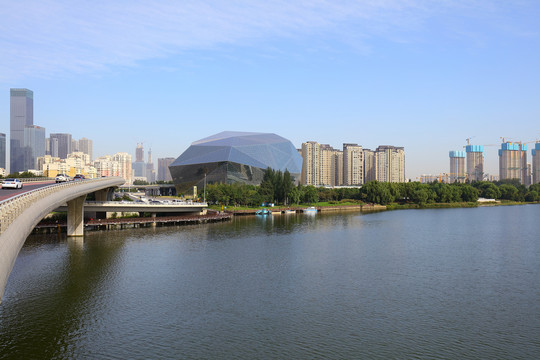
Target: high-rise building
[[475, 162], [536, 163], [150, 173], [353, 164], [513, 161], [3, 151], [64, 144], [21, 114], [86, 146], [390, 163], [321, 164], [310, 163], [34, 145], [370, 166], [457, 167], [139, 153], [51, 146], [163, 173], [124, 161]]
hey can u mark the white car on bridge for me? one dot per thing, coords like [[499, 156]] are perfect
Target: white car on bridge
[[12, 183]]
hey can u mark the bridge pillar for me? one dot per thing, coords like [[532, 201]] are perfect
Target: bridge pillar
[[75, 217], [103, 195]]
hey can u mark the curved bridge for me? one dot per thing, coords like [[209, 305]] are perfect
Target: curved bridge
[[20, 214]]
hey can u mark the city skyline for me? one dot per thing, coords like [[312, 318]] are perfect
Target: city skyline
[[419, 75]]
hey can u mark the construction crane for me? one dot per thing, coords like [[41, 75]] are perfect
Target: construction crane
[[469, 139]]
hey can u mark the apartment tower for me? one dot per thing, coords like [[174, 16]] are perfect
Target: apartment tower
[[536, 163], [353, 164], [163, 173], [390, 163], [457, 167], [475, 162], [513, 162], [64, 142]]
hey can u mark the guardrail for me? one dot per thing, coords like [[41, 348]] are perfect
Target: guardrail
[[25, 180], [13, 207]]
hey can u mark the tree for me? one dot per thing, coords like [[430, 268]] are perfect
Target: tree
[[509, 192], [311, 194], [469, 193]]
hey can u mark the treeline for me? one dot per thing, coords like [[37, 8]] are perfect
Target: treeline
[[277, 187], [21, 175]]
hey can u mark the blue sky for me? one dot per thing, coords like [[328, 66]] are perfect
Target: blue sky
[[421, 74]]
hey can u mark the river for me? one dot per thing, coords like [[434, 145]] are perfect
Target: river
[[423, 284]]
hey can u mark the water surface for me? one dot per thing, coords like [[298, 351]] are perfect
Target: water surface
[[427, 284]]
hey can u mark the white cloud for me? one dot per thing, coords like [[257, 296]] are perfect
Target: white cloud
[[45, 38]]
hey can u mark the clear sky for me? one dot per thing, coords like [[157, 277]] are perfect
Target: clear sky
[[423, 74]]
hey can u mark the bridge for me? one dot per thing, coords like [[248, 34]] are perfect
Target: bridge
[[21, 213]]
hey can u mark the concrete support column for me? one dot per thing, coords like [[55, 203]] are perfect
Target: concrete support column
[[75, 217]]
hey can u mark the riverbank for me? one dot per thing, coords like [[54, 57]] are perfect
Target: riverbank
[[298, 209], [138, 222]]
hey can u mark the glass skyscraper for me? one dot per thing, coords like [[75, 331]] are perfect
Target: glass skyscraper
[[21, 115], [3, 151]]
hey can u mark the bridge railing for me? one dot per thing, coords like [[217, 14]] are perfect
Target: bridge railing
[[13, 207]]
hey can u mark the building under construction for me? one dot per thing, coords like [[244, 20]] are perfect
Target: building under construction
[[513, 162], [536, 163], [457, 167], [475, 162]]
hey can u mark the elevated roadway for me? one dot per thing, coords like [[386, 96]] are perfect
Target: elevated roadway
[[20, 213]]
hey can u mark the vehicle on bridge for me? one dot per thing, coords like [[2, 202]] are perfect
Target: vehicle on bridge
[[78, 177], [12, 183], [61, 178]]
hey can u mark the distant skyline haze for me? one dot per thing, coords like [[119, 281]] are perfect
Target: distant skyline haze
[[419, 74]]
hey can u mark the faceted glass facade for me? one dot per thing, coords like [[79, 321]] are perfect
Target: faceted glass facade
[[230, 157]]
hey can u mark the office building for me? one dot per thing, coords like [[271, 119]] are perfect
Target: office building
[[51, 146], [21, 114], [86, 146], [390, 163], [64, 144], [231, 157], [353, 164], [163, 173], [536, 163], [139, 153], [150, 172], [34, 145], [513, 162], [475, 162], [3, 151], [457, 167]]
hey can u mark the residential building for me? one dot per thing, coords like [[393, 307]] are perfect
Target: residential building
[[457, 167], [475, 162], [163, 173], [310, 163], [513, 161], [21, 114], [353, 164], [2, 151], [139, 153], [536, 163], [390, 163], [370, 165], [64, 144], [124, 162], [34, 145]]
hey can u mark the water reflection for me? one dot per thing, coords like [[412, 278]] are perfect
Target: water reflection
[[456, 283]]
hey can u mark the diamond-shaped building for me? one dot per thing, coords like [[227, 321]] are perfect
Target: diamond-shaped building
[[230, 157]]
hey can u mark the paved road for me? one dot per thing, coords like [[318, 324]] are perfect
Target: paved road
[[7, 193]]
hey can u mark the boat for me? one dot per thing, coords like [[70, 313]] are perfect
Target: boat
[[310, 210], [263, 212], [289, 212]]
